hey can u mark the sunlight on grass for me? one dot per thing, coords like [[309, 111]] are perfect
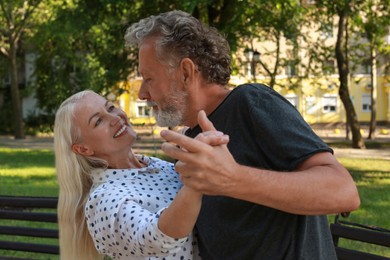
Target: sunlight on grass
[[27, 172]]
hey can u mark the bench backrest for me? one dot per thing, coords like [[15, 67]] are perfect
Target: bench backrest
[[33, 210], [358, 232]]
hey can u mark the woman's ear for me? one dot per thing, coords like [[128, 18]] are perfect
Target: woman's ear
[[187, 68], [82, 149]]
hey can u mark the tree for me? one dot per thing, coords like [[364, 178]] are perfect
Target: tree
[[15, 21], [343, 10], [275, 22], [373, 19], [76, 54]]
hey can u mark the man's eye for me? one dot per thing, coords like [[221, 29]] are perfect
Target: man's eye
[[110, 108], [147, 80]]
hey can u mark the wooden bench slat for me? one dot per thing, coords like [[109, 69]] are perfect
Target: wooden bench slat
[[31, 209], [348, 254], [27, 202], [30, 247], [13, 258], [27, 215], [359, 234], [28, 231]]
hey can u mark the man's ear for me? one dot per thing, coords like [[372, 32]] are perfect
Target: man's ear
[[82, 149], [187, 68]]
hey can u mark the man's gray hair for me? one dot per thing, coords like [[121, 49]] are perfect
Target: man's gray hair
[[180, 35]]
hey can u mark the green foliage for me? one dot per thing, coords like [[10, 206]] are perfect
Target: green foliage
[[80, 45], [39, 124], [274, 21], [6, 126], [89, 53]]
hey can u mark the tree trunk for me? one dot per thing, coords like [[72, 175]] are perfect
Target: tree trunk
[[371, 134], [342, 64], [15, 96]]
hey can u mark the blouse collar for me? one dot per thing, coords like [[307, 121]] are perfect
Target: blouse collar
[[101, 175]]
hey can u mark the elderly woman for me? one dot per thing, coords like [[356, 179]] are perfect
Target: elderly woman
[[113, 202]]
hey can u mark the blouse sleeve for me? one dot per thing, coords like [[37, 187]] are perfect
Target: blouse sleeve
[[123, 227]]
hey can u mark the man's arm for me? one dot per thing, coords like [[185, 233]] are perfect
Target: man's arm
[[319, 185]]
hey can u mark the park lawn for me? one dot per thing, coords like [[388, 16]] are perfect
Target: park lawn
[[27, 172], [372, 177], [32, 172]]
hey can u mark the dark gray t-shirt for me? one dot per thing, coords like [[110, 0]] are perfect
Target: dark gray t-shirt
[[267, 132]]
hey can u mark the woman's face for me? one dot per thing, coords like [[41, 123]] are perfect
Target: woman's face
[[104, 129]]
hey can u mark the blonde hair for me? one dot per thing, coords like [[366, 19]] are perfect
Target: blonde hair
[[73, 174]]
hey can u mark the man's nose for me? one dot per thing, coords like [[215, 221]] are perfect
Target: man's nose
[[143, 93]]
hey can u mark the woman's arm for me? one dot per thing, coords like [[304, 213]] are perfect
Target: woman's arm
[[178, 220]]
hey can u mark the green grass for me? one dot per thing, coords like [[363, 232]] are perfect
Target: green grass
[[27, 172], [32, 172], [372, 177]]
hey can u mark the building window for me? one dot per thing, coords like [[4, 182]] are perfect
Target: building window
[[366, 67], [7, 80], [311, 105], [143, 110], [291, 68], [329, 104], [326, 30], [328, 67], [366, 103], [293, 100]]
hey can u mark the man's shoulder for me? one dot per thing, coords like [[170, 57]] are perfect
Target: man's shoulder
[[251, 88]]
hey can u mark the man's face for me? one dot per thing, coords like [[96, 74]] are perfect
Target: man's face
[[163, 90]]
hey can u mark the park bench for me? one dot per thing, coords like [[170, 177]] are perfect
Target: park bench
[[34, 209], [16, 210], [357, 232]]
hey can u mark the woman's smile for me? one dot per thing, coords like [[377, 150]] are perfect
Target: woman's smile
[[121, 131]]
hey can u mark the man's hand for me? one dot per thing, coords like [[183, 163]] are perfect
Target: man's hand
[[204, 163]]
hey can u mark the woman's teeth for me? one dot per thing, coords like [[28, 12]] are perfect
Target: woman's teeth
[[120, 131]]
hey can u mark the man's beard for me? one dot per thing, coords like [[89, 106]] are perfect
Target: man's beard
[[171, 114]]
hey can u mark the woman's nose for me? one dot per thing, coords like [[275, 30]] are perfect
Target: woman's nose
[[114, 119]]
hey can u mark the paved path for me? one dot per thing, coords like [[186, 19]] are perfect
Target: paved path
[[365, 153], [150, 144], [29, 142]]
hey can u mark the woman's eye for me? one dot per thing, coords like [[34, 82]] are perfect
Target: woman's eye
[[110, 108], [98, 122]]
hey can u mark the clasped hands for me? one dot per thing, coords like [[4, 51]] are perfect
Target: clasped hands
[[204, 163]]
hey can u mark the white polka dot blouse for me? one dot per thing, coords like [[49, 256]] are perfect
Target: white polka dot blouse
[[123, 209]]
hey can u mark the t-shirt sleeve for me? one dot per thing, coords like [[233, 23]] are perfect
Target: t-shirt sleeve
[[283, 135]]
